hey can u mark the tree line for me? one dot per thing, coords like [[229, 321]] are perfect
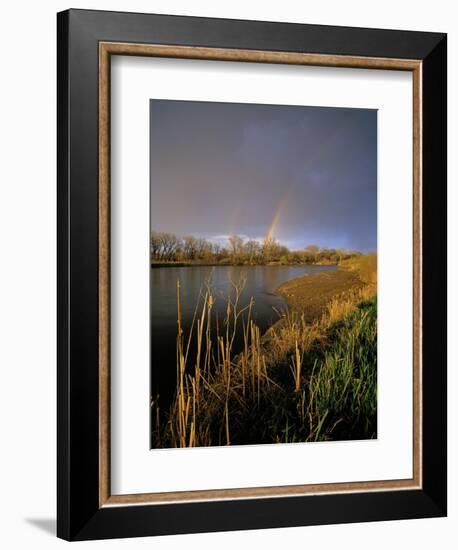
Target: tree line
[[169, 248]]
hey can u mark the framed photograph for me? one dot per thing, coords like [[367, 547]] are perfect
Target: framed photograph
[[252, 274]]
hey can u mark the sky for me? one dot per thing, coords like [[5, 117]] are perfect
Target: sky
[[303, 175]]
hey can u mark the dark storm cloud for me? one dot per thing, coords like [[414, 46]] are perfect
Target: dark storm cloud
[[310, 172]]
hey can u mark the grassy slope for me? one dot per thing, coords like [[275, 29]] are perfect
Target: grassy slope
[[341, 391], [365, 266]]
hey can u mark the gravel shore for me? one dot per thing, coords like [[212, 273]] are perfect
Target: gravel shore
[[310, 294]]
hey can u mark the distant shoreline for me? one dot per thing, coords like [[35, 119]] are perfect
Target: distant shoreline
[[269, 264]]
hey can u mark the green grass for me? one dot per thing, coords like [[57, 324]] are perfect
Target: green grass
[[342, 389]]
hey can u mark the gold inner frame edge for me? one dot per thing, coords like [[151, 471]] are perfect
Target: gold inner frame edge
[[106, 50]]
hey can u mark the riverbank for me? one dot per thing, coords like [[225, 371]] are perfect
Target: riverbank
[[309, 295], [156, 264]]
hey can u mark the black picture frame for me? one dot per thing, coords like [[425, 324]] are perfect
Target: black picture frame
[[80, 517]]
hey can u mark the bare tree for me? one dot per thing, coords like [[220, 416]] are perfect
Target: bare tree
[[204, 249], [155, 245], [236, 245], [252, 250], [169, 245], [190, 247], [311, 252], [271, 249], [164, 246], [216, 249]]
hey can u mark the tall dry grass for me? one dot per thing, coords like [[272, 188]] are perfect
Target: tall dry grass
[[365, 265]]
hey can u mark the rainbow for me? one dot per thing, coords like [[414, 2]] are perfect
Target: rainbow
[[276, 218]]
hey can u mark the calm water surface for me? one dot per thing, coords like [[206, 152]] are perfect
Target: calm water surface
[[261, 283]]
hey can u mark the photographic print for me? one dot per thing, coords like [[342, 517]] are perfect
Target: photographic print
[[263, 279], [243, 359]]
